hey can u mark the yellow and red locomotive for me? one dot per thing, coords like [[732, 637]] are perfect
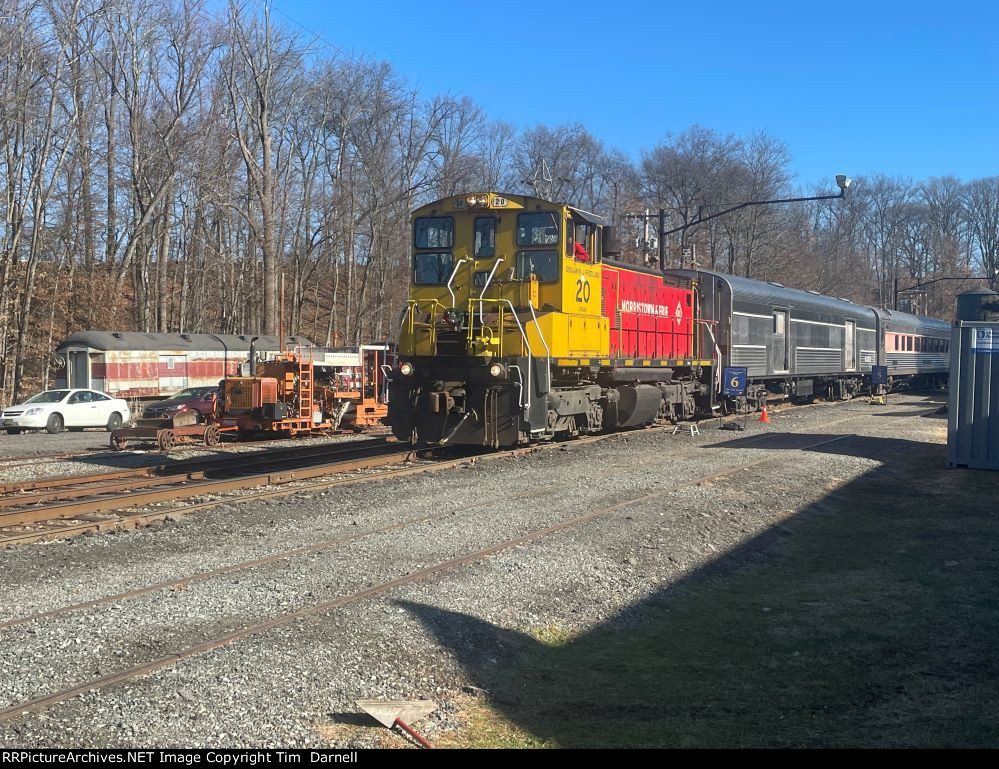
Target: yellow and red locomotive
[[520, 325]]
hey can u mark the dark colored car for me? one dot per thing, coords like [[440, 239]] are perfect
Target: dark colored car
[[200, 399]]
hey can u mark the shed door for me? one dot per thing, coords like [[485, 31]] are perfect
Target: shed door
[[850, 346], [778, 352]]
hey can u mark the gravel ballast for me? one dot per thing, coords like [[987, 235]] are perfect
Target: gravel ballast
[[278, 687]]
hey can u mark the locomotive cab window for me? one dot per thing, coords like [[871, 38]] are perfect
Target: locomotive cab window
[[432, 269], [485, 236], [582, 247], [433, 232], [543, 264], [537, 229]]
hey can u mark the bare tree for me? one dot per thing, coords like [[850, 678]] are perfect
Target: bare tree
[[262, 73], [982, 211]]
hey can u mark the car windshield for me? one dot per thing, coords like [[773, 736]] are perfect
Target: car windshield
[[190, 392], [49, 396]]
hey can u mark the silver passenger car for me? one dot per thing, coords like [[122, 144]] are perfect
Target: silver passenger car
[[803, 343]]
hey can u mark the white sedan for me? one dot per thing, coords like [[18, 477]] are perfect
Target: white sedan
[[54, 410]]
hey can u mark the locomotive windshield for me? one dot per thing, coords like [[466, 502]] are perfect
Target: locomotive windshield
[[538, 229], [543, 264], [432, 269], [485, 237], [433, 232]]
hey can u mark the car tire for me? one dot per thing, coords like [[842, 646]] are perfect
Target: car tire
[[114, 421], [55, 424], [13, 430]]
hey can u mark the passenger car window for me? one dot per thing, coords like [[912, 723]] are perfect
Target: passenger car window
[[99, 397]]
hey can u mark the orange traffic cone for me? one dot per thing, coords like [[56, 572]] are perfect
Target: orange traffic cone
[[764, 417]]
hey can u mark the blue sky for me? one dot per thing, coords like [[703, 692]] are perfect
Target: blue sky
[[908, 89]]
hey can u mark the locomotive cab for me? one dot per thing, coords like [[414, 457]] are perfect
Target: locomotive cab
[[505, 337], [497, 290]]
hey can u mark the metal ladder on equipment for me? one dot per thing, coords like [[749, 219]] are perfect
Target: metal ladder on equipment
[[305, 385]]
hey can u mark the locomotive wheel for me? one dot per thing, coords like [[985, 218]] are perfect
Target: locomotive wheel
[[595, 417], [167, 440], [213, 436], [118, 443]]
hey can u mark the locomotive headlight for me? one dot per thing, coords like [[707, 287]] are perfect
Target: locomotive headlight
[[497, 369], [406, 369]]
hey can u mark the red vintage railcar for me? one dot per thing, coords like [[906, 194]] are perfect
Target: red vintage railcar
[[129, 364]]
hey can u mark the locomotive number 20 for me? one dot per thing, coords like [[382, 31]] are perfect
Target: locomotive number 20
[[582, 290]]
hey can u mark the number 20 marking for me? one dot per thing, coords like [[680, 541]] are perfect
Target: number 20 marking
[[582, 290]]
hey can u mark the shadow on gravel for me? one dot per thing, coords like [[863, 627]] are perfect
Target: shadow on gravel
[[869, 447], [924, 414], [869, 619]]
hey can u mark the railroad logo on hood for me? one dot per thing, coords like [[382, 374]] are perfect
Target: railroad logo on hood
[[679, 314]]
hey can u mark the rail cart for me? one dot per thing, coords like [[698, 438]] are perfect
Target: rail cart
[[167, 433]]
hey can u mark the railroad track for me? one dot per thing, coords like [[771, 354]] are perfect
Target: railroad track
[[41, 459], [425, 573], [194, 465], [103, 452], [52, 508], [82, 497]]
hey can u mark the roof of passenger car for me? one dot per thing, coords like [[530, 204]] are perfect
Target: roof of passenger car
[[135, 340], [747, 288], [915, 321]]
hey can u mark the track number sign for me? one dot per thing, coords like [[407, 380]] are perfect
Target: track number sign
[[734, 381]]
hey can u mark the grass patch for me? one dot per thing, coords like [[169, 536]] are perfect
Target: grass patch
[[488, 727], [552, 635]]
